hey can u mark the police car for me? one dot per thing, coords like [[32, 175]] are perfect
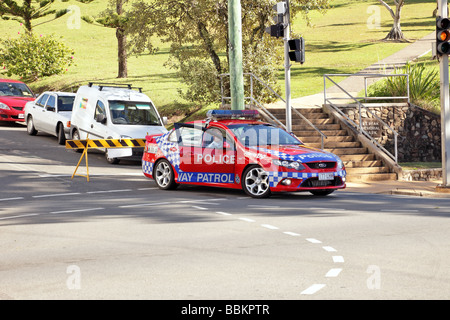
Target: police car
[[233, 149]]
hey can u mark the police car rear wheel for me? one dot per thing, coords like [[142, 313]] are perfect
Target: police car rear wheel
[[164, 175], [255, 182]]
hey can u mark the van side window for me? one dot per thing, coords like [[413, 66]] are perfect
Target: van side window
[[99, 109]]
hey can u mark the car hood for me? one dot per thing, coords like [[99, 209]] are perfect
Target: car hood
[[15, 101], [137, 131], [300, 153]]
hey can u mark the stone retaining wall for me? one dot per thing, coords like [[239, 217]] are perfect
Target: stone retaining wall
[[421, 175], [419, 130]]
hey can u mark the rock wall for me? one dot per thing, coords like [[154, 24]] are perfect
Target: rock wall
[[419, 130]]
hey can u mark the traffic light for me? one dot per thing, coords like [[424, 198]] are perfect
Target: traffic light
[[277, 30], [297, 47], [442, 36]]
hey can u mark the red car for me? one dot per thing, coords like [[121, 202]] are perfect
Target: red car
[[228, 151], [13, 97]]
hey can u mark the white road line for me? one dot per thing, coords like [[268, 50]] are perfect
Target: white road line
[[260, 206], [399, 210], [312, 240], [313, 289], [247, 219], [57, 195], [77, 210], [109, 191], [338, 259], [144, 189], [21, 216], [329, 249], [333, 272], [292, 233], [199, 208], [11, 199], [223, 213], [268, 226]]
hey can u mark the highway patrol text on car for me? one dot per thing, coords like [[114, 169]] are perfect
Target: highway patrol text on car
[[233, 149]]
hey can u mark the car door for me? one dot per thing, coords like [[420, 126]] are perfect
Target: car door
[[218, 156], [48, 121], [38, 111], [98, 128]]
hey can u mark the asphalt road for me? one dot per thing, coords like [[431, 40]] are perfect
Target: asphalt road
[[119, 237]]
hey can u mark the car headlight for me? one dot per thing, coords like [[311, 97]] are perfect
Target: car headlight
[[4, 106], [340, 164], [289, 164]]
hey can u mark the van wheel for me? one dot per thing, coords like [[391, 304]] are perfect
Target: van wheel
[[111, 160], [76, 136], [30, 126], [61, 134]]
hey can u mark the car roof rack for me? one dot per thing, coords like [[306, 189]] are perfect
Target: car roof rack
[[102, 85]]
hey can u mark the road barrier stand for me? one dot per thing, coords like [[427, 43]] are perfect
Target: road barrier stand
[[87, 144]]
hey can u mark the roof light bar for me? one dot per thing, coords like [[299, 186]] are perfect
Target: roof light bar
[[230, 114]]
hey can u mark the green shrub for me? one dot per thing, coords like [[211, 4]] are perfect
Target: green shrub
[[424, 86], [32, 57]]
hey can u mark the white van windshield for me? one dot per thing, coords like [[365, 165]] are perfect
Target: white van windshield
[[133, 113]]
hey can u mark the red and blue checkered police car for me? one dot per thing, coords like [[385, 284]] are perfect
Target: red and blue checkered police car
[[233, 149]]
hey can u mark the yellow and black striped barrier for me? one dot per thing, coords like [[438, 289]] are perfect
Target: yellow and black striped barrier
[[100, 143], [105, 143]]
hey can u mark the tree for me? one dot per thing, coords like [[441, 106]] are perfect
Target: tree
[[198, 33], [396, 30], [28, 11], [117, 18]]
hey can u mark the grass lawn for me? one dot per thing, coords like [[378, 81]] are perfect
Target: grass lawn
[[420, 165], [339, 41]]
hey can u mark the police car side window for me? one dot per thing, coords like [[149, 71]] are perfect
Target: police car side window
[[190, 137], [213, 138]]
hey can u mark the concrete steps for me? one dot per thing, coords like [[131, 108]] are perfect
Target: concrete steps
[[361, 165]]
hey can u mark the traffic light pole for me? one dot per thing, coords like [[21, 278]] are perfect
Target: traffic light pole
[[445, 106], [287, 69], [235, 55]]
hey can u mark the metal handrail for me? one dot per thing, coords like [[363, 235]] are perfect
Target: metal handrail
[[360, 105], [259, 105]]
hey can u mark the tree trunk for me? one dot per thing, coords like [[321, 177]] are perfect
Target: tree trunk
[[122, 53], [121, 43], [396, 32]]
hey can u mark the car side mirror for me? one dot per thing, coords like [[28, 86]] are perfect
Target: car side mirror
[[51, 109], [101, 118], [165, 121]]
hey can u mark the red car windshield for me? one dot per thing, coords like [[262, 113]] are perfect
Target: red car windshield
[[14, 89], [254, 135]]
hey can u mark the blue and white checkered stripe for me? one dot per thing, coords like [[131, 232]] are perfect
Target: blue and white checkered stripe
[[275, 177], [165, 146], [147, 167]]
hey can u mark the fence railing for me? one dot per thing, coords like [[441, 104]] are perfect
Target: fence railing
[[361, 106]]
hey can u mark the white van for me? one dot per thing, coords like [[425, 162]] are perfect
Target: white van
[[111, 111]]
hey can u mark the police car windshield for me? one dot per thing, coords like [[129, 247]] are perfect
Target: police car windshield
[[262, 135], [133, 113], [14, 89]]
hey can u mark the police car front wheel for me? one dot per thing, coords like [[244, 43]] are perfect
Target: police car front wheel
[[164, 175], [255, 182]]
